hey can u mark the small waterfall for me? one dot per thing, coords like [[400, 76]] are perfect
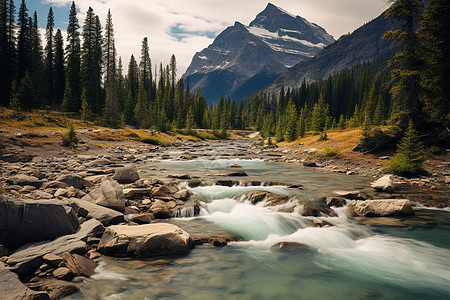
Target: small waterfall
[[187, 212]]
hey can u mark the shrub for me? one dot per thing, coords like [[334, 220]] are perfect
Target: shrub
[[323, 136], [408, 160], [155, 140], [435, 150], [330, 153], [69, 138]]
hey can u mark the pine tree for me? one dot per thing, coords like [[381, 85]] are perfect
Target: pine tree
[[7, 50], [132, 91], [50, 58], [319, 115], [408, 160], [279, 131], [406, 63], [73, 63], [145, 67], [37, 67], [110, 58], [59, 76], [341, 124], [434, 34], [141, 111], [301, 130], [91, 62], [86, 112], [190, 122], [26, 96], [68, 99], [291, 121], [23, 42]]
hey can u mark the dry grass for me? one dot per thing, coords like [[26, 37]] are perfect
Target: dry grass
[[339, 141]]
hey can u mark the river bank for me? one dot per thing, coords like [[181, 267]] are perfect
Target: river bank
[[203, 179]]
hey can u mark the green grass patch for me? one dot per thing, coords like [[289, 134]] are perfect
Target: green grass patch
[[155, 140]]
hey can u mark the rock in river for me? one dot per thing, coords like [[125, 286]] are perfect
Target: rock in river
[[126, 175], [109, 194], [145, 240], [24, 221], [11, 288], [385, 184], [381, 208]]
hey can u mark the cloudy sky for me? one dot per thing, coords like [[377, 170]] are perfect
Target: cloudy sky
[[183, 27]]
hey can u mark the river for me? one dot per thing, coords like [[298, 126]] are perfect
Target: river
[[389, 258]]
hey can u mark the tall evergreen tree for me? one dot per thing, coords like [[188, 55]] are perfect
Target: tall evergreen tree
[[73, 62], [291, 122], [37, 66], [408, 160], [23, 42], [110, 61], [434, 34], [7, 49], [406, 63], [91, 62], [59, 75], [49, 63], [145, 67]]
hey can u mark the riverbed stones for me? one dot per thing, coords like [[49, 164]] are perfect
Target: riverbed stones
[[79, 265], [183, 194], [385, 184], [25, 221], [160, 210], [127, 174], [63, 273], [73, 180], [179, 176], [381, 208], [30, 257], [291, 246], [12, 288], [238, 173], [309, 211], [91, 210], [335, 201], [145, 241], [24, 180], [109, 194]]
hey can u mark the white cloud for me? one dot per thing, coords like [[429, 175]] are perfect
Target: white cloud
[[135, 19]]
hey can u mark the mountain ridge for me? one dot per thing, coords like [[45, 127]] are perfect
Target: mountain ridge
[[274, 41]]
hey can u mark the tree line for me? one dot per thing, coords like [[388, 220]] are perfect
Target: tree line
[[86, 76]]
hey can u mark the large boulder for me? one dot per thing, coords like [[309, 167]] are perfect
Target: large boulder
[[11, 288], [72, 180], [91, 210], [160, 210], [381, 208], [24, 180], [126, 175], [145, 240], [31, 256], [25, 221], [385, 184], [108, 194]]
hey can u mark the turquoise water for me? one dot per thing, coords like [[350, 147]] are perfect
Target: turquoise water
[[351, 260]]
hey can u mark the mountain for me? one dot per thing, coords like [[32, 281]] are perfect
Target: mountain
[[363, 45], [243, 59]]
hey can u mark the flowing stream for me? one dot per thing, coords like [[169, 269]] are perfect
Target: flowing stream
[[388, 258]]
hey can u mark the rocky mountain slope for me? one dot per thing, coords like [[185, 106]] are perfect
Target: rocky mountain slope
[[363, 45], [243, 59]]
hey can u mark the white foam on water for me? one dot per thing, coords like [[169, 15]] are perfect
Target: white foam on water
[[216, 192], [252, 222], [101, 273]]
